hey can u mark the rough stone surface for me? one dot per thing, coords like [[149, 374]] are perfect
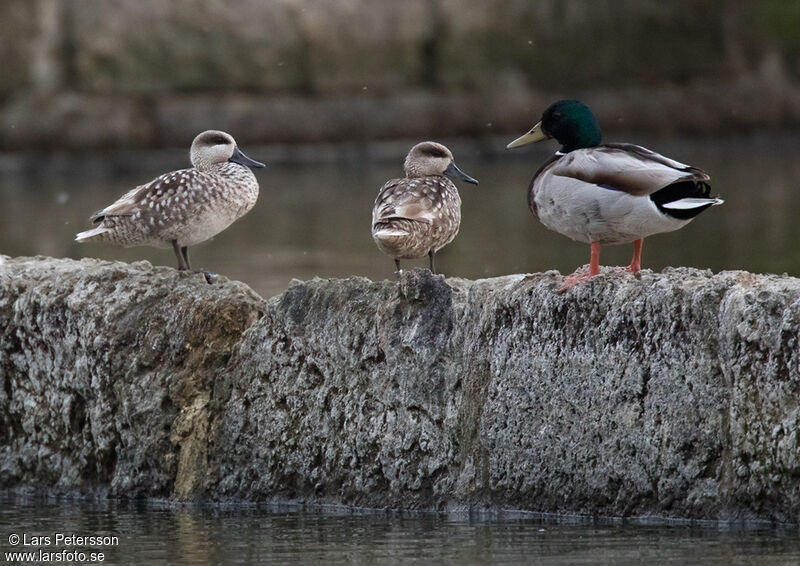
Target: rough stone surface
[[672, 394], [107, 370]]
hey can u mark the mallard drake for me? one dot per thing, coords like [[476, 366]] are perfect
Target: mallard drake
[[421, 213], [184, 207], [612, 193]]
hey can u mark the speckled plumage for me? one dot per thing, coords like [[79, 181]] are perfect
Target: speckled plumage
[[185, 207], [414, 216], [421, 213]]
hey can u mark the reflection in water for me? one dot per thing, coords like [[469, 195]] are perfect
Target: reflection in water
[[156, 535], [314, 220]]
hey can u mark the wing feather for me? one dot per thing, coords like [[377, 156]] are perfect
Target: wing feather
[[625, 167], [144, 197], [406, 199]]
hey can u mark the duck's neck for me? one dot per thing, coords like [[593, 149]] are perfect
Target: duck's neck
[[579, 131], [579, 144], [581, 135]]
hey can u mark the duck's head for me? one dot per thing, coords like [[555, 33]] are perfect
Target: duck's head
[[430, 158], [213, 147], [570, 122]]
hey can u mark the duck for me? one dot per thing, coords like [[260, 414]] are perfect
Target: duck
[[184, 207], [419, 214], [608, 194]]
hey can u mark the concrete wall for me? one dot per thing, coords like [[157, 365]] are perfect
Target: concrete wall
[[672, 394]]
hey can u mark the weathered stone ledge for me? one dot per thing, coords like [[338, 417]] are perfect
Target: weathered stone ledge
[[674, 394]]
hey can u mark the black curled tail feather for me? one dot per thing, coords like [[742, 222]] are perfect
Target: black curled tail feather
[[681, 190], [703, 189]]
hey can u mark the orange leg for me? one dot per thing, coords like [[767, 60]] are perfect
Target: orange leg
[[594, 268], [636, 260], [594, 259]]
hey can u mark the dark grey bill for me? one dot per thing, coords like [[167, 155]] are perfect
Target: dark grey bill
[[454, 172], [242, 159]]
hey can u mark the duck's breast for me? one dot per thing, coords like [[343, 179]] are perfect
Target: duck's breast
[[591, 213], [214, 204]]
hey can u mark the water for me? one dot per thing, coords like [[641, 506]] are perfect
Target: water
[[154, 535], [312, 219]]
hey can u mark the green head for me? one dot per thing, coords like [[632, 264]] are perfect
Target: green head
[[570, 122]]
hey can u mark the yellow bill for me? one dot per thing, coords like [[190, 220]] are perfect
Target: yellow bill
[[535, 135]]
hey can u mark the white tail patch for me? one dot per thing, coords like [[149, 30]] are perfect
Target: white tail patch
[[89, 234], [390, 233], [689, 203]]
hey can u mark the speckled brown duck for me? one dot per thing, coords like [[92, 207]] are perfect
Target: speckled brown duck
[[421, 213], [184, 207]]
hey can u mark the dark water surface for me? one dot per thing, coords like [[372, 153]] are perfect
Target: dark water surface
[[312, 218], [154, 535]]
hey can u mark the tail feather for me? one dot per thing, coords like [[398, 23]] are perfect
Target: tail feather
[[93, 234], [690, 203], [389, 233], [685, 199]]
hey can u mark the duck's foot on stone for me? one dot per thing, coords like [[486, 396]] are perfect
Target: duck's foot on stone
[[581, 275], [617, 270], [628, 269], [210, 276], [584, 274]]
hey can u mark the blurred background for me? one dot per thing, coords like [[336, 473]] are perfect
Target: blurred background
[[98, 96]]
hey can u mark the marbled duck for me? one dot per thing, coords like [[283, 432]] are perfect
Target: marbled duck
[[421, 213], [184, 207]]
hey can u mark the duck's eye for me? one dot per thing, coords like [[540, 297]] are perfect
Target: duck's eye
[[435, 152], [219, 140]]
